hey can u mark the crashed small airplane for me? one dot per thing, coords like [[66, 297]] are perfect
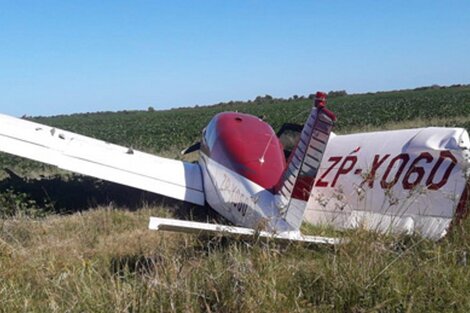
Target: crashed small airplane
[[413, 180]]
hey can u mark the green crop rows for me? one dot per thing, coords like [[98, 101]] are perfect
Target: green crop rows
[[157, 131], [161, 130]]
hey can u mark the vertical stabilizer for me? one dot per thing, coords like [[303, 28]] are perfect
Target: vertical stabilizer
[[297, 181]]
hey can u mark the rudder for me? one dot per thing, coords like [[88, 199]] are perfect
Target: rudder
[[298, 179]]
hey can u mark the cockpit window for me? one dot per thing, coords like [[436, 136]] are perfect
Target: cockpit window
[[210, 134], [289, 136]]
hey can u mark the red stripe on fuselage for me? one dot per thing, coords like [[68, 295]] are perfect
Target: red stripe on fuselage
[[246, 145], [462, 208]]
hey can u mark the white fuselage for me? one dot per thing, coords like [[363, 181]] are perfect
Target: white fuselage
[[238, 199]]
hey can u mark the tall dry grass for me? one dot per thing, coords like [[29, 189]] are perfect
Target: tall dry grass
[[106, 260]]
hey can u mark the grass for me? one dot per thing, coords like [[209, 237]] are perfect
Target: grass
[[173, 130], [458, 121], [105, 260]]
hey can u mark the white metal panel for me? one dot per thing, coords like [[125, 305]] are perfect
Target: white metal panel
[[238, 199], [88, 156], [304, 164], [157, 223], [400, 196]]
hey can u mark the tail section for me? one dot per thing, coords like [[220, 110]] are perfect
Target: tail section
[[297, 181]]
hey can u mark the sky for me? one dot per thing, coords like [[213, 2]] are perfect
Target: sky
[[62, 57]]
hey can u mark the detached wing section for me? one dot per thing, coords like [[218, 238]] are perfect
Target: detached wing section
[[88, 156], [157, 223], [414, 180]]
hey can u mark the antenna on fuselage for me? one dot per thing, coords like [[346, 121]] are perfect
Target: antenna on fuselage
[[263, 118]]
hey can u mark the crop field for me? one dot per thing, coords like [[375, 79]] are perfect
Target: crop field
[[170, 131], [73, 244], [163, 130]]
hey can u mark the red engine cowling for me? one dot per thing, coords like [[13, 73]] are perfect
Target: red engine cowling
[[246, 145]]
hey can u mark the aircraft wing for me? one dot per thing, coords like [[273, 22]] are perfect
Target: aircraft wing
[[92, 157], [157, 223], [413, 180]]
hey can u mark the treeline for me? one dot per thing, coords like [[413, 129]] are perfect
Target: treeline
[[263, 99], [435, 86], [266, 99]]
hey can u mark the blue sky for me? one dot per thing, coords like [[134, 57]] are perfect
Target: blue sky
[[59, 57]]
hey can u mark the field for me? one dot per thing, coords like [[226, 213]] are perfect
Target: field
[[73, 244], [163, 130]]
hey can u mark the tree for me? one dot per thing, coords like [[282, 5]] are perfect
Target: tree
[[262, 99], [337, 93]]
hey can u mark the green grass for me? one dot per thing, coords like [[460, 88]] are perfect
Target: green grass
[[163, 130], [167, 132], [105, 259]]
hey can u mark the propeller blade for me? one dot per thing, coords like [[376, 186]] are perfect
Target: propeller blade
[[192, 148]]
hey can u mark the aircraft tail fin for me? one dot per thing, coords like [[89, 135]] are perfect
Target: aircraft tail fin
[[298, 179]]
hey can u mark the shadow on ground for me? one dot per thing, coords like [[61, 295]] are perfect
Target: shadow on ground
[[64, 194]]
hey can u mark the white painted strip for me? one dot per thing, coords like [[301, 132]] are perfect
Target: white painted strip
[[157, 223]]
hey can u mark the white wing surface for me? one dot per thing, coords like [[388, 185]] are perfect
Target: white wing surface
[[157, 223], [88, 156], [413, 180]]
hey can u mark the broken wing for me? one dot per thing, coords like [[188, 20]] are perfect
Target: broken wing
[[402, 180], [88, 156]]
